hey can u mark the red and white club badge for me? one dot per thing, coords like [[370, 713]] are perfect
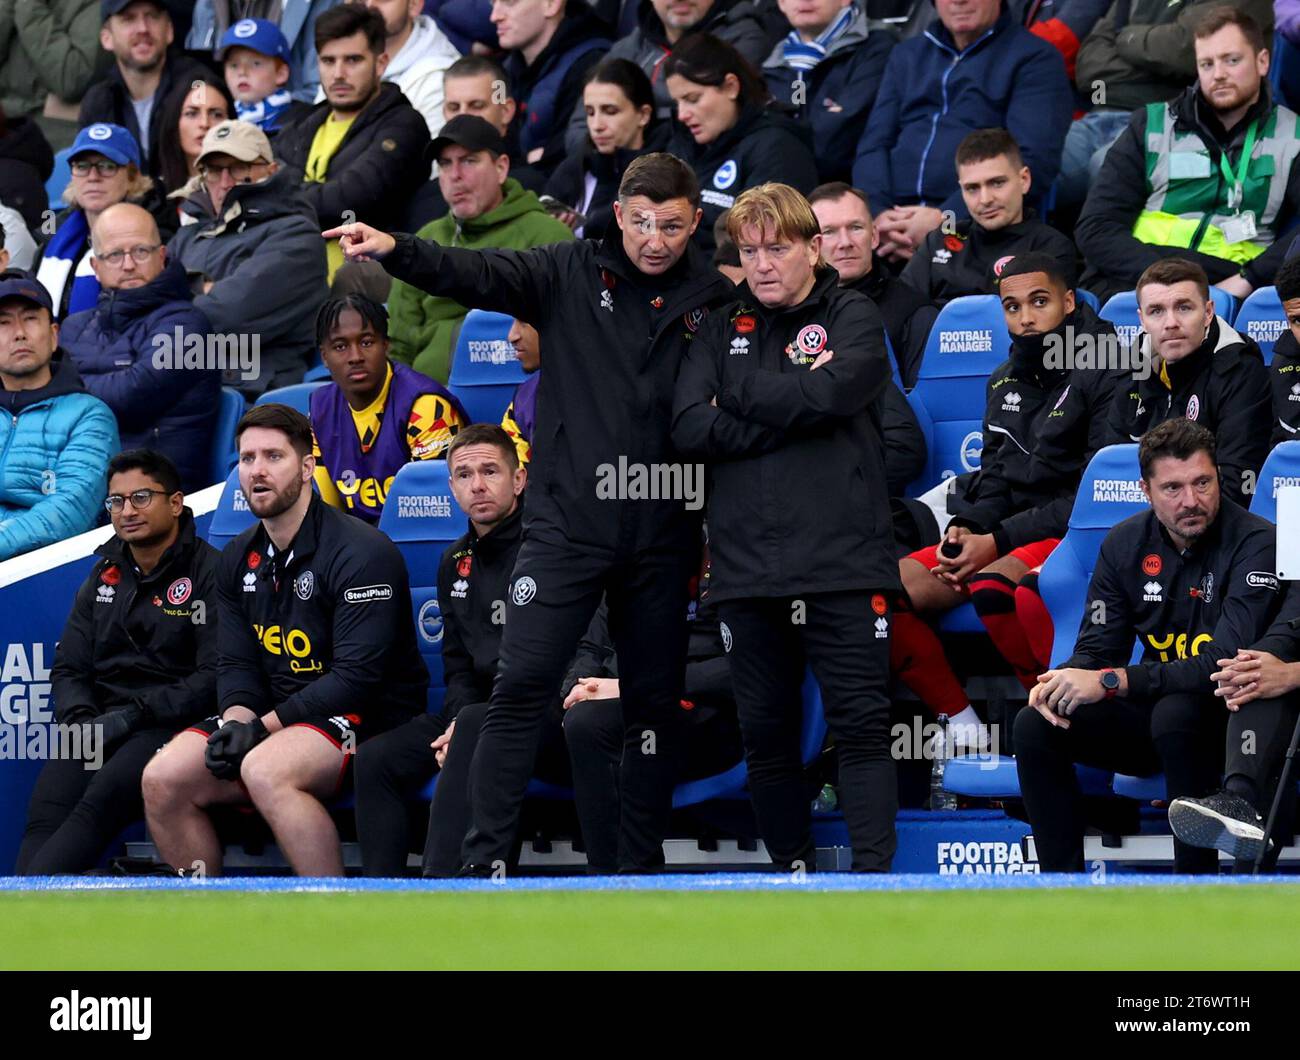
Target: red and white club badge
[[811, 340], [179, 591]]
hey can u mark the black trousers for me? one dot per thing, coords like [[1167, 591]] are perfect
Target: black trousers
[[1259, 733], [839, 638], [391, 770], [449, 814], [555, 591], [74, 812], [1181, 734], [593, 731]]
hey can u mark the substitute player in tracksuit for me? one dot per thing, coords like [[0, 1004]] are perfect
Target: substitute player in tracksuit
[[781, 395], [1193, 580], [137, 662], [1201, 368], [1045, 416], [317, 653], [615, 318], [474, 577]]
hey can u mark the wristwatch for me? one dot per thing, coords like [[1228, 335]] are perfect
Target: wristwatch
[[1109, 683]]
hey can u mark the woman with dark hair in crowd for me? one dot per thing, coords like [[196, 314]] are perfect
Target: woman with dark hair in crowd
[[191, 110], [621, 125], [730, 130]]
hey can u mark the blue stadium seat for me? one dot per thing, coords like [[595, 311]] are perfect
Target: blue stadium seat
[[232, 516], [1281, 468], [995, 777], [1225, 304], [60, 178], [969, 339], [317, 373], [422, 518], [484, 368], [1122, 311], [731, 784], [893, 364], [1109, 491], [297, 396], [229, 411], [1261, 318], [1143, 789], [1081, 295]]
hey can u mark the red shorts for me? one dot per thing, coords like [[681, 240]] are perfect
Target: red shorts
[[1032, 555], [344, 731]]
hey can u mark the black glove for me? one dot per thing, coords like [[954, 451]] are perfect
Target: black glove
[[229, 744], [118, 724]]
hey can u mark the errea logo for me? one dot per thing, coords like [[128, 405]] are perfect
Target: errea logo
[[741, 345], [882, 628], [1295, 392], [1011, 402], [1153, 593]]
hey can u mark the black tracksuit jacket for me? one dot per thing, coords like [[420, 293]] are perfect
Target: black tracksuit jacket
[[607, 392], [1041, 427], [1224, 386], [146, 641], [322, 630], [1187, 609], [798, 500]]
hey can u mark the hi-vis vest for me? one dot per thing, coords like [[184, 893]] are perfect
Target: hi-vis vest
[[1187, 201]]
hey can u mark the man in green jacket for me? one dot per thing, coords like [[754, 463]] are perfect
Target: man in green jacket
[[48, 48], [487, 208]]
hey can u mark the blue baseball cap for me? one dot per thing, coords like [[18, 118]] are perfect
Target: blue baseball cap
[[112, 141], [15, 283], [258, 34]]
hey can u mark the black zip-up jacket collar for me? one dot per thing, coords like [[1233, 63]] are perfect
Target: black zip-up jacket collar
[[64, 379], [323, 627], [799, 500], [1187, 609], [1223, 385], [148, 642], [1192, 113]]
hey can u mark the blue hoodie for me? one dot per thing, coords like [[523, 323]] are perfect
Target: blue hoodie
[[171, 409], [55, 444], [931, 96]]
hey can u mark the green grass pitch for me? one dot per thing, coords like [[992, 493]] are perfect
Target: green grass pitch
[[1104, 927]]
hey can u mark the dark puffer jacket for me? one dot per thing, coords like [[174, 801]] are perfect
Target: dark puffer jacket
[[129, 355]]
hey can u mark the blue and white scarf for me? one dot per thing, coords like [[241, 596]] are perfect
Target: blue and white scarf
[[800, 54], [67, 254], [266, 114]]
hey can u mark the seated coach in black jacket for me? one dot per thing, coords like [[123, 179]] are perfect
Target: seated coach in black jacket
[[136, 663]]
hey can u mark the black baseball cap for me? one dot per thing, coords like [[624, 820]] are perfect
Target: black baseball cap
[[15, 283], [470, 132]]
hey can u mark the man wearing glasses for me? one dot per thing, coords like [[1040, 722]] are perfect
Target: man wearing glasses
[[55, 439], [144, 350], [252, 250], [137, 662]]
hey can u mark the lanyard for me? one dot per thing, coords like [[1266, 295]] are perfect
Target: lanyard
[[1235, 183]]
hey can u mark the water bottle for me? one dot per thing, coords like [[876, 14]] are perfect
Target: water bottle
[[827, 801], [939, 798]]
